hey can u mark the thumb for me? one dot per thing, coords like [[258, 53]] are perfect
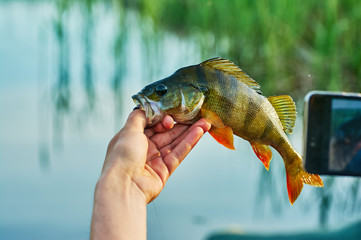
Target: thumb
[[136, 121]]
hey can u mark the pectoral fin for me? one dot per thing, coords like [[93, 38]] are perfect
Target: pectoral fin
[[220, 132], [212, 118], [263, 152], [223, 135]]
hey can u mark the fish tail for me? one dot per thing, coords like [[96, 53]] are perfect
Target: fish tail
[[296, 176]]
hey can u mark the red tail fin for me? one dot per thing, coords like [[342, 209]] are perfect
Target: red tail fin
[[296, 176], [294, 186]]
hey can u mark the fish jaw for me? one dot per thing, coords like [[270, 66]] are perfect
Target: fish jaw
[[152, 109]]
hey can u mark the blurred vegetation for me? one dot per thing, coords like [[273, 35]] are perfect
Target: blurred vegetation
[[289, 47]]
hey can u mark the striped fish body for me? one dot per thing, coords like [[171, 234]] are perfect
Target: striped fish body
[[249, 114], [231, 101]]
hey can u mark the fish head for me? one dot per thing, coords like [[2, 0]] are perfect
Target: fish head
[[171, 96]]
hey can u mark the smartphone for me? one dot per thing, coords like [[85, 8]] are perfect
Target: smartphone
[[332, 133]]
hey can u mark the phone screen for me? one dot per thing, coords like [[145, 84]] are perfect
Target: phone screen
[[345, 139], [333, 136]]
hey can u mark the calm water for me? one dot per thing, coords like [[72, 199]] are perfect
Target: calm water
[[63, 97]]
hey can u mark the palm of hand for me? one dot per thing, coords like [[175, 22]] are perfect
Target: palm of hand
[[155, 152]]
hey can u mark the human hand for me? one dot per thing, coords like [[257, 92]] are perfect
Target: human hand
[[138, 163], [147, 157]]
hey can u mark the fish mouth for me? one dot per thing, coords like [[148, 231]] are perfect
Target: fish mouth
[[152, 109], [139, 101]]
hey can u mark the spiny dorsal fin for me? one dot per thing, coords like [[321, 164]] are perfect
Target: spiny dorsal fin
[[229, 67], [286, 110]]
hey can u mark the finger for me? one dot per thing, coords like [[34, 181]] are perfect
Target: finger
[[165, 138], [176, 156], [202, 123], [149, 132], [136, 121], [165, 167], [153, 151], [178, 130], [160, 168], [166, 124]]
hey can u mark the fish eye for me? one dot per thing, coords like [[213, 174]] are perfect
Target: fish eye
[[161, 89]]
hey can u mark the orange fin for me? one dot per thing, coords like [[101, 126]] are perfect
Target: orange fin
[[223, 135], [297, 176], [263, 152], [212, 118], [312, 179], [294, 186]]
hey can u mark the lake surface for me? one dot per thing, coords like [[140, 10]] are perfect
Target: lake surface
[[62, 100]]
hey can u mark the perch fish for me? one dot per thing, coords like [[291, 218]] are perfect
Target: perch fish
[[232, 102]]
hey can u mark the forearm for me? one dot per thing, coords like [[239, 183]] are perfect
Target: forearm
[[119, 209]]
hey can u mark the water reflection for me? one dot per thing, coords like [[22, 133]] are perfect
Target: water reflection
[[88, 36], [119, 59], [325, 201], [264, 37], [61, 92], [268, 187]]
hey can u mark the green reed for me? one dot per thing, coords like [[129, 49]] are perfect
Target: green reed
[[287, 46]]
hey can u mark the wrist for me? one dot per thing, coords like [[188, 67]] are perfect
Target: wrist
[[119, 208], [120, 184]]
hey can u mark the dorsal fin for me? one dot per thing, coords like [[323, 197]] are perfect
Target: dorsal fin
[[286, 111], [229, 67]]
